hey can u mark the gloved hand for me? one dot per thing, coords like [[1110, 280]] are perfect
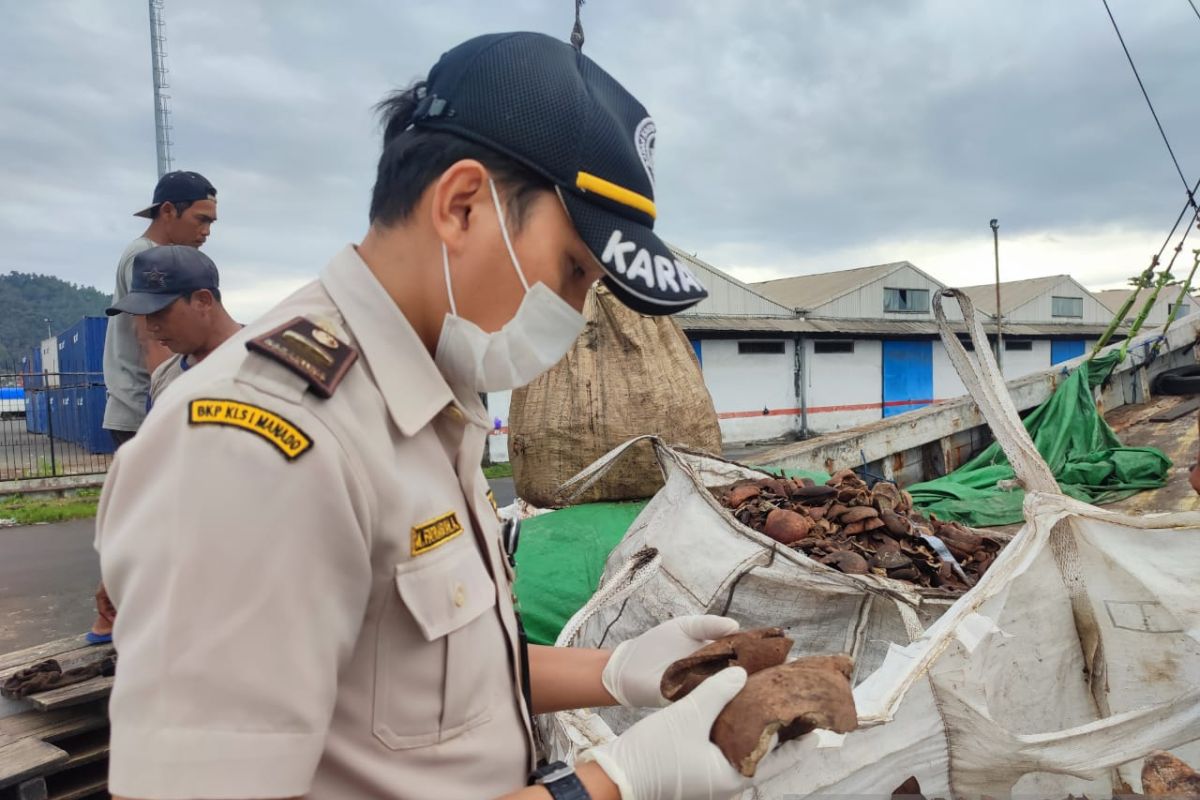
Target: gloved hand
[[668, 756], [634, 671]]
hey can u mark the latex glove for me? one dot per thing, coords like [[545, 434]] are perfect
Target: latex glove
[[634, 672], [668, 756]]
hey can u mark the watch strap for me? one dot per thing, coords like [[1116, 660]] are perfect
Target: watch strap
[[561, 781]]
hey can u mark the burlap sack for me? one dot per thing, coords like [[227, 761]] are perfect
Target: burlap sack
[[628, 375]]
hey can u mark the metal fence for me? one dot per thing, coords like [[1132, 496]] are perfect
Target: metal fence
[[51, 424]]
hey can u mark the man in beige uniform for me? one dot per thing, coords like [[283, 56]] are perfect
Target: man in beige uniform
[[317, 488]]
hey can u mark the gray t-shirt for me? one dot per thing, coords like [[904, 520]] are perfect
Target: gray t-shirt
[[125, 374], [166, 372]]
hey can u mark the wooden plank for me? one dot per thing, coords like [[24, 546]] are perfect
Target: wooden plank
[[78, 783], [51, 725], [76, 694], [1177, 411], [19, 659], [77, 792], [28, 758], [77, 657], [86, 755]]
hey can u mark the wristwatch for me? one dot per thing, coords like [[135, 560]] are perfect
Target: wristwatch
[[561, 781]]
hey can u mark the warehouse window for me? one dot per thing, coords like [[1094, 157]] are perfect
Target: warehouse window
[[834, 346], [1018, 344], [760, 348], [906, 300], [1066, 307], [1183, 310]]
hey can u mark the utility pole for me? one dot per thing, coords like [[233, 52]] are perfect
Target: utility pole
[[995, 223], [158, 63], [47, 321]]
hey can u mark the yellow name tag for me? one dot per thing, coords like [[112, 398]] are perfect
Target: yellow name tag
[[287, 438], [435, 532]]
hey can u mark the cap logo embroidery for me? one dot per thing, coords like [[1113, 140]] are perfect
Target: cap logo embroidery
[[654, 271], [156, 277], [643, 139]]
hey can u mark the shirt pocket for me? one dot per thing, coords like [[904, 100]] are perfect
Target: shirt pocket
[[433, 656]]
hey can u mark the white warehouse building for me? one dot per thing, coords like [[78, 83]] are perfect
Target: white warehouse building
[[815, 353]]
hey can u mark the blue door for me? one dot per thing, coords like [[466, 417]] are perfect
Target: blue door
[[1066, 349], [907, 376]]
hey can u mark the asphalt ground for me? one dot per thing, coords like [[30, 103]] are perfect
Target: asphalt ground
[[49, 573]]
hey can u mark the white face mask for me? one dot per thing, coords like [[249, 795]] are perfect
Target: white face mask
[[534, 340]]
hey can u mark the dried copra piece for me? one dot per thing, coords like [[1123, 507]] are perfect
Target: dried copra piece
[[789, 700], [753, 650]]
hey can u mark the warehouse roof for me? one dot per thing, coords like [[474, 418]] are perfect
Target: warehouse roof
[[810, 291], [866, 327], [1113, 299], [1013, 294]]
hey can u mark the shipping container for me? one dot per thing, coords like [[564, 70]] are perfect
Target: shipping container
[[81, 352], [55, 421], [31, 369], [37, 414], [72, 430], [48, 353], [93, 437]]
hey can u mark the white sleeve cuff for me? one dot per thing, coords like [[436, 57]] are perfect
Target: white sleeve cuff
[[184, 764]]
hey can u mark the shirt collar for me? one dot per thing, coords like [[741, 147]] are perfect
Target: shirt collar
[[413, 388]]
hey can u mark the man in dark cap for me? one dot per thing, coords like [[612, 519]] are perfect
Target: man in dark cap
[[176, 289], [329, 613], [183, 210]]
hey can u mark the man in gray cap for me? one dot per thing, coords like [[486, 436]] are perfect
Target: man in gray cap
[[183, 210]]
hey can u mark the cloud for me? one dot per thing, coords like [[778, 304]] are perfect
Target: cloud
[[793, 136]]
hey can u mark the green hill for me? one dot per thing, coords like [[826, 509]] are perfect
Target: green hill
[[27, 301]]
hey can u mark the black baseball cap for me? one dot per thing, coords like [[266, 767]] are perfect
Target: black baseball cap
[[543, 103], [179, 187], [161, 275]]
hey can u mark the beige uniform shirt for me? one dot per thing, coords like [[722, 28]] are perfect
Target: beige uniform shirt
[[312, 593]]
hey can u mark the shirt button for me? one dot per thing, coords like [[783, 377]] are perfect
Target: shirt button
[[460, 595], [454, 413]]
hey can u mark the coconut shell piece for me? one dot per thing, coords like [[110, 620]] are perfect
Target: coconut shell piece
[[787, 527], [740, 493], [895, 523], [753, 650], [847, 562], [857, 514], [789, 700], [1164, 774], [909, 790]]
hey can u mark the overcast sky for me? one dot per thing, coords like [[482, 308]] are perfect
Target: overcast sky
[[793, 137]]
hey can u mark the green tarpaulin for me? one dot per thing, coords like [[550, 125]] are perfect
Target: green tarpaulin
[[1084, 454], [560, 559]]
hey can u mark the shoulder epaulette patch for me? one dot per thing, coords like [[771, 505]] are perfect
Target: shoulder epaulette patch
[[287, 438], [310, 351]]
